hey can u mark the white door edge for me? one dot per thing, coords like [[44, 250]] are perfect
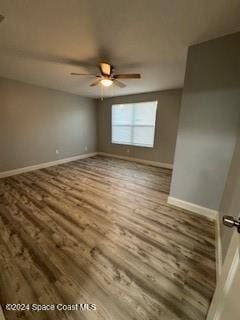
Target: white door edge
[[230, 266]]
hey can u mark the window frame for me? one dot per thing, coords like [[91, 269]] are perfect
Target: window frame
[[132, 126]]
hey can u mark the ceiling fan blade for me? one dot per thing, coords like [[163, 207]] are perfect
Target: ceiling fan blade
[[105, 68], [95, 83], [83, 74], [128, 76], [1, 17], [119, 84]]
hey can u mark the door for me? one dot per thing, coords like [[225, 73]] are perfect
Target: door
[[226, 300]]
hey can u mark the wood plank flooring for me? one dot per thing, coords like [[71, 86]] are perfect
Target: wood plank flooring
[[100, 231]]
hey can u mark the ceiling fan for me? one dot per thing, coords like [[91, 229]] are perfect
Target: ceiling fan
[[107, 76]]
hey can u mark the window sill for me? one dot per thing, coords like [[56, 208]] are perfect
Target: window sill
[[131, 145]]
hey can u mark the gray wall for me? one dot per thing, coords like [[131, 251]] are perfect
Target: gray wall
[[230, 204], [35, 121], [166, 126], [208, 122]]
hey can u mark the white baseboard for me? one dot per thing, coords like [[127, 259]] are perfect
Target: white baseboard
[[149, 162], [14, 172], [209, 213]]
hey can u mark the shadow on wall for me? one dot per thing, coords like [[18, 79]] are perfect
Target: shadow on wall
[[209, 122]]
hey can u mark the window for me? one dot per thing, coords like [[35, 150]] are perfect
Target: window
[[134, 123]]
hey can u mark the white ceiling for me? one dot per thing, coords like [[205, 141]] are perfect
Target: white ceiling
[[42, 41]]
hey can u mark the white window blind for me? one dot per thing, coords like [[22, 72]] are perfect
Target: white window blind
[[134, 123]]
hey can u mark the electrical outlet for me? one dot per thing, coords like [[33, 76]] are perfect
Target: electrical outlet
[[128, 150], [86, 148], [57, 151]]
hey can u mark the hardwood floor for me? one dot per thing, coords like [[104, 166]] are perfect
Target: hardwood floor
[[100, 231]]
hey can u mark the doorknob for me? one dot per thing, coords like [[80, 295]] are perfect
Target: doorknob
[[231, 222]]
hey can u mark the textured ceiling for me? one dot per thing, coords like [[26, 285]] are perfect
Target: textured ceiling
[[41, 42]]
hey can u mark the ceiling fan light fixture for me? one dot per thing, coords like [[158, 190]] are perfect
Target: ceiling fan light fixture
[[106, 82], [107, 76]]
